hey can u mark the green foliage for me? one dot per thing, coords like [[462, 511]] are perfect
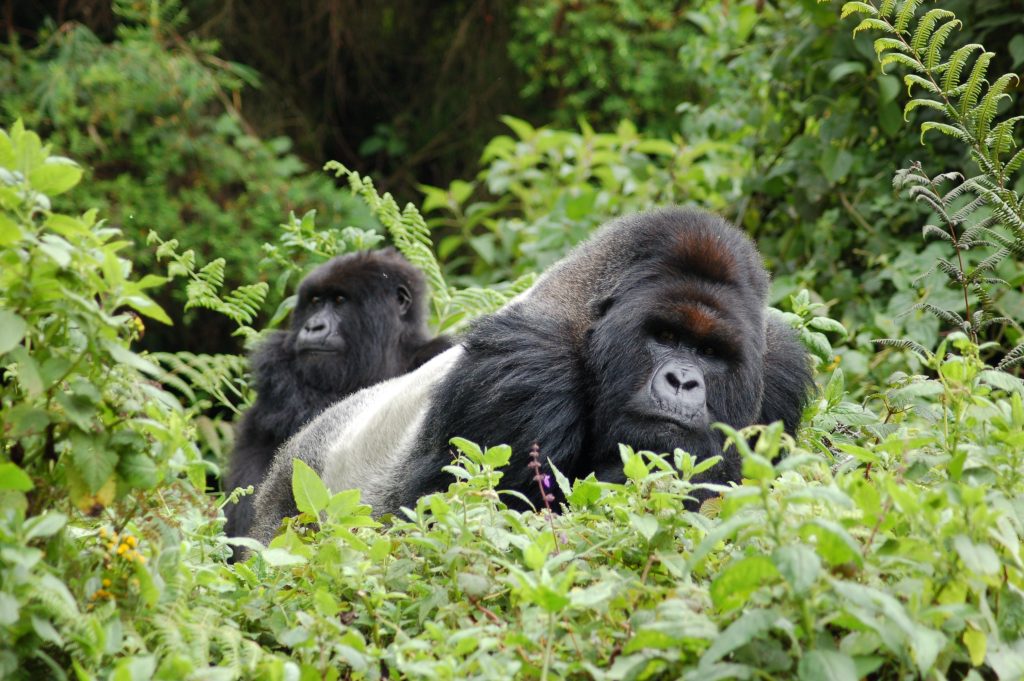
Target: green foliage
[[77, 403], [553, 187], [991, 214], [180, 158], [451, 305]]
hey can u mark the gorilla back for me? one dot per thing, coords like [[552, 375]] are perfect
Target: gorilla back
[[646, 334]]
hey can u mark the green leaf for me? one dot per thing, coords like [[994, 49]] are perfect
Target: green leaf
[[826, 665], [12, 330], [12, 477], [980, 559], [311, 494], [45, 525], [799, 565], [93, 460], [741, 632], [646, 525], [55, 176], [739, 579], [834, 543]]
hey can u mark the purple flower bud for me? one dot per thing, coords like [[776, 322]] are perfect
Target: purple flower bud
[[547, 481]]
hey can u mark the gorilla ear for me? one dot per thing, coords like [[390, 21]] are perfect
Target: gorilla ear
[[599, 308], [404, 299]]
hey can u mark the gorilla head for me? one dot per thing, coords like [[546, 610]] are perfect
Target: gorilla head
[[645, 335], [678, 344], [358, 320]]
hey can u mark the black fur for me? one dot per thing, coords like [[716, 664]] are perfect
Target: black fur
[[375, 331], [572, 381], [645, 334]]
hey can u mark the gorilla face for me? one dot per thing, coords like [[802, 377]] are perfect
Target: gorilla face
[[339, 306], [669, 354]]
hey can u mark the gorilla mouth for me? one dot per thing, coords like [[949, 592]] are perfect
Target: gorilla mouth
[[688, 423]]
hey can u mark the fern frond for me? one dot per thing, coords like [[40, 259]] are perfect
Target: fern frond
[[938, 40], [951, 271], [220, 376], [926, 195], [910, 80], [933, 231], [962, 214], [883, 44], [946, 129], [927, 103], [926, 26], [1013, 358], [900, 58], [906, 14], [876, 24], [903, 344], [975, 82], [957, 62], [886, 9], [989, 107], [990, 263], [857, 8], [993, 321], [1015, 163], [948, 316], [1001, 139]]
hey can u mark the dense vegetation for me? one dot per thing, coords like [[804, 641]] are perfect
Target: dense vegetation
[[886, 543]]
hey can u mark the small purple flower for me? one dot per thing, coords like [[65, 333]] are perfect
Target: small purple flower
[[547, 481]]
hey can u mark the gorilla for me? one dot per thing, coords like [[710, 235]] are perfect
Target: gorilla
[[358, 320], [645, 334]]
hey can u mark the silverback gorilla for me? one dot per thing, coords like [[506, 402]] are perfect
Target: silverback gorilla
[[358, 320], [645, 334]]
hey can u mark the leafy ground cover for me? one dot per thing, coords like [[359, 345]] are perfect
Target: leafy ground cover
[[884, 544]]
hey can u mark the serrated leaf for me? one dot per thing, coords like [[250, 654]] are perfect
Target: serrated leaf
[[12, 330], [311, 494]]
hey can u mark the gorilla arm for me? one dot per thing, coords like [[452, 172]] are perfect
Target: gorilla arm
[[361, 442]]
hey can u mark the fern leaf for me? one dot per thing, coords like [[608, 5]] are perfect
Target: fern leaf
[[989, 107], [883, 44], [910, 80], [962, 214], [992, 261], [926, 26], [857, 8], [938, 40], [946, 129], [951, 271], [903, 344], [957, 63], [1001, 139], [927, 103], [887, 8], [1013, 358], [933, 231], [993, 321], [950, 317], [906, 14], [926, 195], [902, 59], [975, 82], [876, 24], [1015, 163]]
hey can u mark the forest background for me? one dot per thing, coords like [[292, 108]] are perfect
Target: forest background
[[887, 543]]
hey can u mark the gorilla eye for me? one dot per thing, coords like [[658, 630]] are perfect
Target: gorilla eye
[[668, 337], [315, 300], [339, 299], [708, 351]]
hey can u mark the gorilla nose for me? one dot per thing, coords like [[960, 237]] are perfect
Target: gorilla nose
[[679, 385], [314, 328]]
